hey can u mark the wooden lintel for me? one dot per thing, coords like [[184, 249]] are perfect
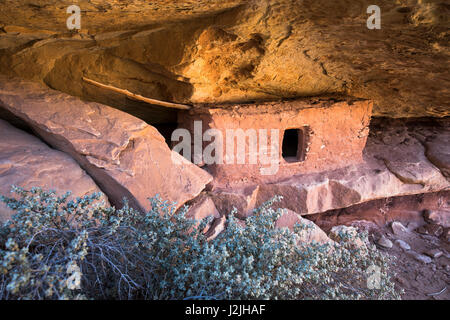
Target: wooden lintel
[[137, 96]]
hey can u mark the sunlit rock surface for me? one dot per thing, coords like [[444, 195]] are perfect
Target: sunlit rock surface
[[27, 162], [235, 51]]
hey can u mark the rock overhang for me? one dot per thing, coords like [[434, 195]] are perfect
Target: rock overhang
[[224, 51]]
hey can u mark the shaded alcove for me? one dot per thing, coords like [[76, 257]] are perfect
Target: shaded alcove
[[290, 143], [294, 144]]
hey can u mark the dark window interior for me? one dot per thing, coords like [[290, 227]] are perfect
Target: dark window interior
[[294, 145]]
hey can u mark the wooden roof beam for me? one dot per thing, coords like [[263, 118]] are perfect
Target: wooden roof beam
[[137, 96]]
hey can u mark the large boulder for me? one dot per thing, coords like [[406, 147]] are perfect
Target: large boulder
[[242, 200], [311, 232], [440, 217], [438, 151], [27, 162], [315, 193], [202, 207], [124, 155]]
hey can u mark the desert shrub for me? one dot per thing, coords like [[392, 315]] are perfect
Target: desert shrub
[[55, 248]]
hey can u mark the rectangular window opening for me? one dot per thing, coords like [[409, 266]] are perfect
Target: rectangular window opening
[[294, 145]]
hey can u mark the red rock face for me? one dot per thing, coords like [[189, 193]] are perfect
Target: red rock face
[[323, 135], [27, 162]]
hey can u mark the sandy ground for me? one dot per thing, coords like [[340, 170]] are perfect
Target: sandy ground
[[424, 280], [419, 280]]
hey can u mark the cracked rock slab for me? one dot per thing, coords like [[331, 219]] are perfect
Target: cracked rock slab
[[123, 154], [27, 162], [202, 207], [311, 232]]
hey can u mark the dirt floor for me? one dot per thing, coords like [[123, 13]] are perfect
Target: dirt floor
[[423, 269], [422, 280]]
